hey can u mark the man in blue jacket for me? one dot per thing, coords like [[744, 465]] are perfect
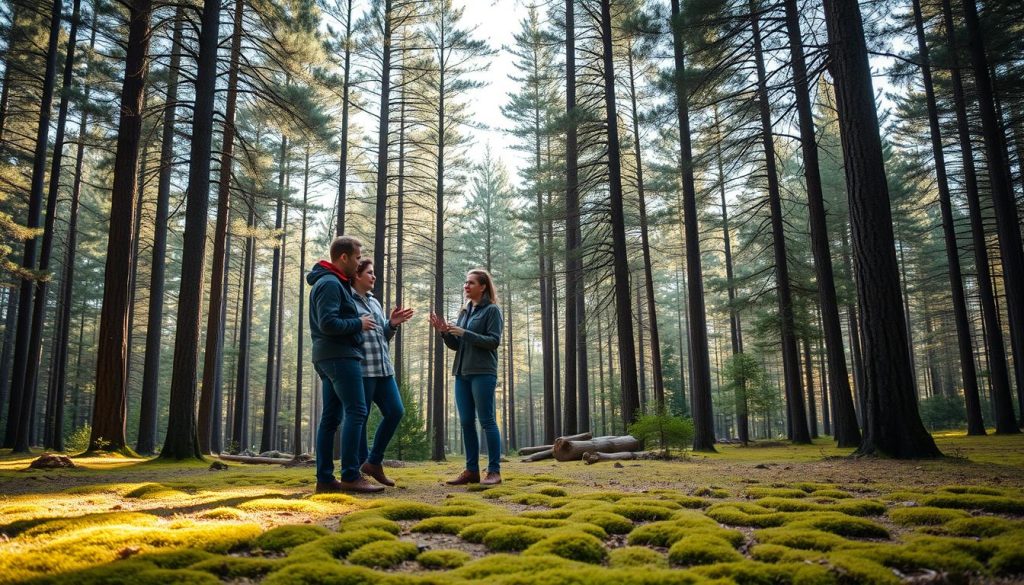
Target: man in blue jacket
[[337, 332]]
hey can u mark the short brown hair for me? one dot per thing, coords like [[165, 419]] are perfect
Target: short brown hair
[[363, 265], [344, 245], [483, 277]]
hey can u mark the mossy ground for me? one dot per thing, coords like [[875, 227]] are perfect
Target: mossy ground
[[783, 514]]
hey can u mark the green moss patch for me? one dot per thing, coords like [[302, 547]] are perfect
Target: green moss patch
[[840, 524], [925, 515], [742, 514], [384, 553], [443, 524], [611, 523], [576, 546], [981, 526], [993, 504], [758, 492], [512, 538], [636, 556], [289, 536], [642, 512], [443, 559], [341, 545], [231, 568], [702, 550]]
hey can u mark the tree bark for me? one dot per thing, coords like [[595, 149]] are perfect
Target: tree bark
[[846, 432], [975, 424], [700, 364], [383, 147], [300, 357], [620, 262], [22, 387], [892, 423], [146, 444], [271, 389], [214, 320], [343, 163], [182, 440], [110, 404], [1007, 220]]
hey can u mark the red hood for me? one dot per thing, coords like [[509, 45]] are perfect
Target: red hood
[[333, 269]]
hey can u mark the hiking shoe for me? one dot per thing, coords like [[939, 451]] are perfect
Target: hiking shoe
[[465, 477], [491, 478], [360, 486], [376, 471]]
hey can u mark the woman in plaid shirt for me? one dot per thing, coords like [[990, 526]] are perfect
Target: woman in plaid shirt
[[378, 372]]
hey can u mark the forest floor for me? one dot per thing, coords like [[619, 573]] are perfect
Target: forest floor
[[757, 514]]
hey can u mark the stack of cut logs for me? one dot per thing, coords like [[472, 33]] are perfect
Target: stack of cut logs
[[587, 447]]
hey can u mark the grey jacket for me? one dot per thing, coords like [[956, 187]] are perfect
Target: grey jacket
[[476, 352]]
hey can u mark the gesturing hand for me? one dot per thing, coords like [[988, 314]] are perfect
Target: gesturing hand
[[368, 322], [400, 315], [439, 323], [456, 330]]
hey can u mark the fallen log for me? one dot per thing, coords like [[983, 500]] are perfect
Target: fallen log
[[592, 457], [539, 448], [568, 450], [532, 450], [545, 454], [255, 459]]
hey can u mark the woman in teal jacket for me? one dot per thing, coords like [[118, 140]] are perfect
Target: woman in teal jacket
[[475, 337]]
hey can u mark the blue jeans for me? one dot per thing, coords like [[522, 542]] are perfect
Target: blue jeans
[[474, 397], [343, 398], [382, 391]]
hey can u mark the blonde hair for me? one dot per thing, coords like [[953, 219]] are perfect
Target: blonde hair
[[483, 277]]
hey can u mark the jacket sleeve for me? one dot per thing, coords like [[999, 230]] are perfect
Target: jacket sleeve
[[450, 340], [329, 313], [491, 336]]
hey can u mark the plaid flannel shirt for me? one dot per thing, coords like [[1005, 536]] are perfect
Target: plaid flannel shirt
[[377, 359]]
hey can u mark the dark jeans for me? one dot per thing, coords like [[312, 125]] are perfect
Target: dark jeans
[[474, 397], [382, 391], [343, 398]]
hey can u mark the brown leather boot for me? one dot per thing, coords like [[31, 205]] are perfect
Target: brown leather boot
[[465, 477], [360, 486], [376, 472], [328, 487], [491, 478]]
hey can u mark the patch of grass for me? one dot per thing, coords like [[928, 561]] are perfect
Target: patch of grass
[[775, 553], [925, 515], [369, 521], [744, 514], [702, 550], [802, 538], [512, 538], [341, 545], [326, 573], [232, 568], [283, 505], [758, 492], [285, 537], [221, 513], [855, 507], [636, 556], [840, 524], [51, 527], [980, 527], [153, 491], [642, 512], [969, 501], [443, 559], [610, 522], [711, 492], [384, 554], [572, 545], [443, 524]]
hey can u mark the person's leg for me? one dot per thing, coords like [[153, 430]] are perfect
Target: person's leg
[[369, 390], [389, 401], [347, 379], [483, 395], [466, 407], [328, 426]]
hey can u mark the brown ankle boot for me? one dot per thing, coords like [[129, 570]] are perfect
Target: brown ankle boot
[[376, 472], [328, 487], [360, 486], [491, 478], [465, 477]]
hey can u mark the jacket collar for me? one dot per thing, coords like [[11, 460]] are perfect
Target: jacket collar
[[333, 270]]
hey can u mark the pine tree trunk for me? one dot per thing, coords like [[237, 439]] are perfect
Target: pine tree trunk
[[846, 432], [240, 418], [383, 148], [217, 307], [657, 375], [439, 372], [812, 408], [398, 341], [343, 163], [573, 235], [700, 364], [620, 261], [300, 357], [110, 405], [795, 406], [513, 443], [146, 444], [22, 384], [270, 388], [1007, 221], [892, 423], [975, 425], [182, 440]]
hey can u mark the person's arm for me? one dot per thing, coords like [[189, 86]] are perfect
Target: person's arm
[[450, 340], [329, 321], [491, 337]]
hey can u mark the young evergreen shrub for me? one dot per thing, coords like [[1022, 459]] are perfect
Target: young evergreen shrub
[[664, 430]]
